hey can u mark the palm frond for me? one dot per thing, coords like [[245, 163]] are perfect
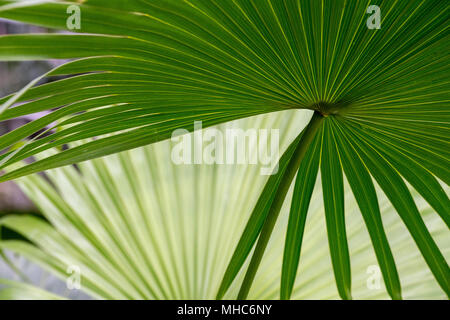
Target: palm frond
[[142, 69], [135, 227]]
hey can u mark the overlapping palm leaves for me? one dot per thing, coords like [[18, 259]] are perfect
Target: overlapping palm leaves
[[137, 226], [380, 99]]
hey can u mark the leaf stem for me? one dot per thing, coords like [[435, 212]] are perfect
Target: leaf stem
[[305, 141]]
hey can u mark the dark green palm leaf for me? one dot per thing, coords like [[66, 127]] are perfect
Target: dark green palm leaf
[[304, 185]]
